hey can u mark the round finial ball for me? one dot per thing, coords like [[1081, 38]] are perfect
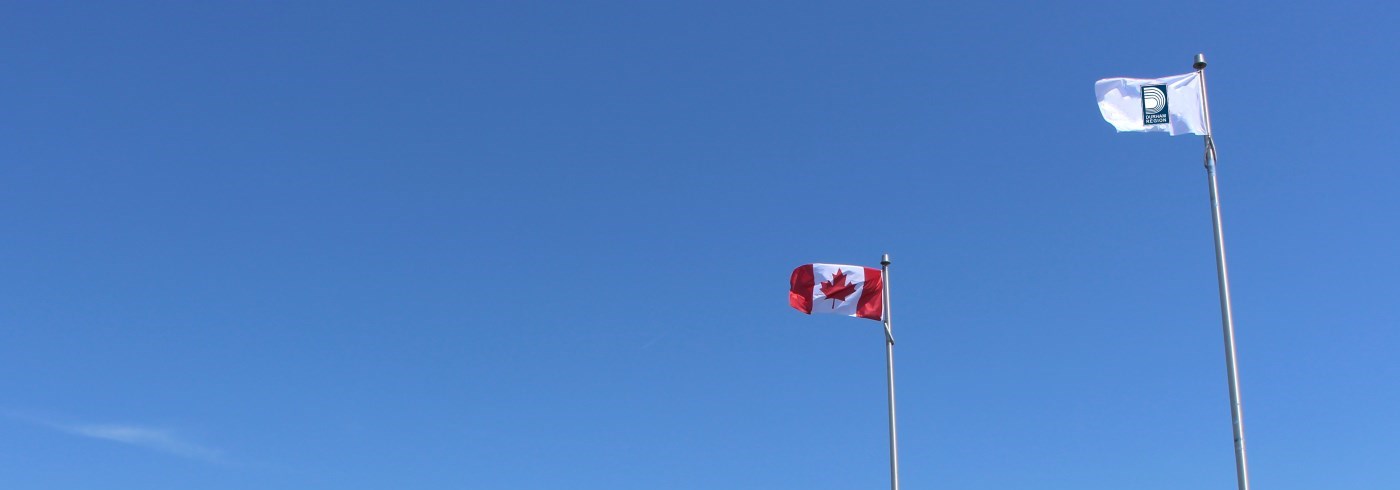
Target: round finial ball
[[1200, 62]]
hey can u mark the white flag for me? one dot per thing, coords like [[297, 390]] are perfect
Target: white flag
[[1170, 104]]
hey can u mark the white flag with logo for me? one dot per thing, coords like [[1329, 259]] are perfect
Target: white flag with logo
[[1170, 104]]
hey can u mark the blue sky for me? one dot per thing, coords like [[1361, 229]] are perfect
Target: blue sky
[[546, 245]]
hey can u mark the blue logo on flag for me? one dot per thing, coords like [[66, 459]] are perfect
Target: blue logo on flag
[[1154, 104]]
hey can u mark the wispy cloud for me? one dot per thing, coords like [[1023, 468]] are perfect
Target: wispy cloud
[[158, 439]]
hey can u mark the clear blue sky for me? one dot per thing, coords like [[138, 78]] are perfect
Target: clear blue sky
[[537, 245]]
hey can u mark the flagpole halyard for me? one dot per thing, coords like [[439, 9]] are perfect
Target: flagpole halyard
[[1223, 275], [889, 366]]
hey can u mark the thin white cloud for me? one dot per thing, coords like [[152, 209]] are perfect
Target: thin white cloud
[[150, 438], [163, 440]]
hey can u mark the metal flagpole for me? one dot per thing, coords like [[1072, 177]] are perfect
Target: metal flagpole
[[1226, 317], [889, 366]]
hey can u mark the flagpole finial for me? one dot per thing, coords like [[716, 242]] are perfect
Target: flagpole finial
[[885, 259], [1200, 63]]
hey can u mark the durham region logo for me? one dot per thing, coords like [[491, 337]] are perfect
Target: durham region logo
[[1154, 104]]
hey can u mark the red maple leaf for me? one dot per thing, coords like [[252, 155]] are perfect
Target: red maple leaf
[[837, 289]]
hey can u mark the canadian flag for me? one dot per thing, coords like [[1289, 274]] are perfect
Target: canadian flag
[[849, 290]]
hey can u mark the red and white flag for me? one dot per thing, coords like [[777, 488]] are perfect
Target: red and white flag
[[849, 290]]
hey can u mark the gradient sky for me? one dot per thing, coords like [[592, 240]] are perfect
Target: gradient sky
[[541, 245]]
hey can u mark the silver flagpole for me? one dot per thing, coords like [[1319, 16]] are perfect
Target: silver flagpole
[[889, 366], [1226, 317]]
